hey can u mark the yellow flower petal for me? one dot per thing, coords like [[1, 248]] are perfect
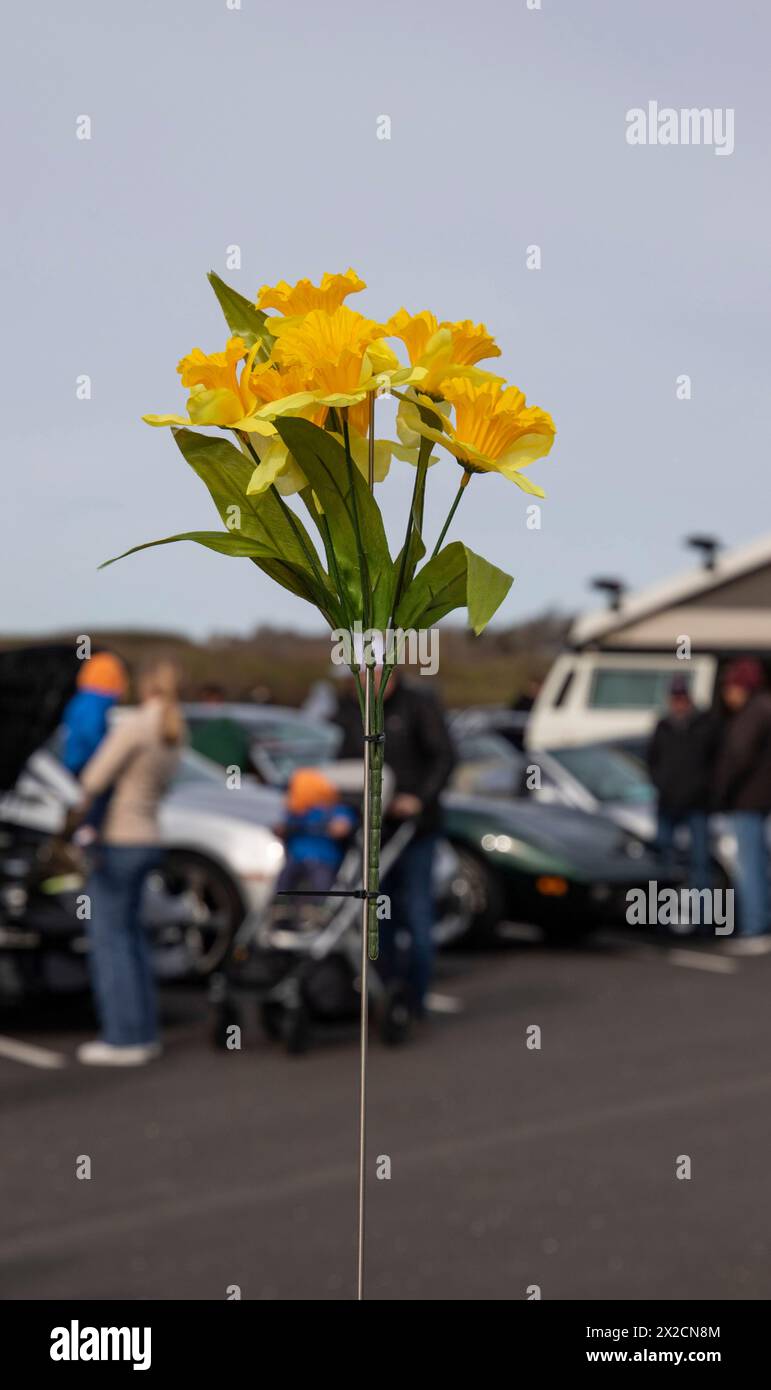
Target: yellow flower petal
[[494, 430], [303, 297], [276, 466], [166, 420]]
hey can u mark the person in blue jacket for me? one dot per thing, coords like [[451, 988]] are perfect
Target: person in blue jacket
[[102, 683], [316, 826]]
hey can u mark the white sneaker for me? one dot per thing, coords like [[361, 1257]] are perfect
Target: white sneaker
[[748, 946], [102, 1054], [443, 1004]]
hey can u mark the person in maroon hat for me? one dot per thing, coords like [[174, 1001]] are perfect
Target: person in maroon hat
[[743, 787]]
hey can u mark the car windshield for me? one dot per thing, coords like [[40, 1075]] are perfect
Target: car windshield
[[277, 745], [487, 765], [610, 774]]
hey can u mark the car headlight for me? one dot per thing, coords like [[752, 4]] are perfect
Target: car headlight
[[502, 843]]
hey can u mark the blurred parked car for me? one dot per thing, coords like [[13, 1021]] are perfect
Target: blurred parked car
[[502, 855], [600, 778], [279, 739], [221, 855], [221, 860]]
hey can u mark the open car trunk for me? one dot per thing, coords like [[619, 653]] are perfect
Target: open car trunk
[[35, 685]]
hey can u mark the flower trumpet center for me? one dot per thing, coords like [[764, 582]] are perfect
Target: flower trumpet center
[[330, 348], [490, 418]]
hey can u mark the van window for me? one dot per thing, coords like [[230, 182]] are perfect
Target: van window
[[562, 693], [632, 688]]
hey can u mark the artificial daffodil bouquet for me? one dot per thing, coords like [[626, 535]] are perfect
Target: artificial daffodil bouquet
[[288, 410]]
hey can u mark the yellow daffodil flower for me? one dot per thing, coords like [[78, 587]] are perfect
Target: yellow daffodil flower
[[344, 355], [285, 392], [218, 396], [494, 430], [291, 300], [443, 350]]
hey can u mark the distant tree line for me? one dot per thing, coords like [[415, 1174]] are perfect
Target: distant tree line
[[280, 665]]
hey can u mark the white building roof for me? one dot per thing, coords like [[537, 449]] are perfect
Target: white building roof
[[599, 627]]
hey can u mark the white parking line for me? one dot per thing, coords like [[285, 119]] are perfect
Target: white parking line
[[31, 1056], [700, 960], [691, 960]]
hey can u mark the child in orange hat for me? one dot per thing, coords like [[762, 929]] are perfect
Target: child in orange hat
[[317, 823], [101, 684]]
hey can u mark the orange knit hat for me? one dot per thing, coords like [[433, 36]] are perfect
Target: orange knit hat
[[104, 674], [307, 789]]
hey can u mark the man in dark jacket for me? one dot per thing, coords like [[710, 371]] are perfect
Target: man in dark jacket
[[681, 755], [743, 787], [419, 752]]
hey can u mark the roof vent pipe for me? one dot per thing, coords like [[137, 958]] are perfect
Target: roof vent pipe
[[613, 588], [708, 547]]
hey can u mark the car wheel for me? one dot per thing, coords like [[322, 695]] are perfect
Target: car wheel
[[193, 908], [469, 899]]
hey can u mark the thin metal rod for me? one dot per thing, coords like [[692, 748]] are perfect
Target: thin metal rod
[[364, 999], [364, 1017]]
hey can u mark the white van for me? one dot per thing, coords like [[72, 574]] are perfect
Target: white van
[[598, 697], [614, 678]]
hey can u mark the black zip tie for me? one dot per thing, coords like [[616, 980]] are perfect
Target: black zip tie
[[374, 738], [332, 893]]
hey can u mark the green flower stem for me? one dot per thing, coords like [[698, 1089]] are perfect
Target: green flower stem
[[375, 753], [366, 595], [464, 482], [414, 520], [384, 679]]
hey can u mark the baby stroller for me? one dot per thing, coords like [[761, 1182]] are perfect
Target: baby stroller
[[302, 961]]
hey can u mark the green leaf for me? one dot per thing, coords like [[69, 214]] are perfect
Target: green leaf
[[226, 542], [322, 460], [455, 577], [227, 473], [486, 588], [437, 589], [261, 527], [240, 314], [244, 547]]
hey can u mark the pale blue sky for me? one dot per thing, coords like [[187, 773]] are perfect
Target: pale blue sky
[[258, 127]]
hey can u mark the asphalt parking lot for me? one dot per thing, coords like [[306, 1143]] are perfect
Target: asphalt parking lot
[[510, 1166]]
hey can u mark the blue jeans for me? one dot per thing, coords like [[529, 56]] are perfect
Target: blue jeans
[[749, 828], [122, 973], [697, 823], [409, 886]]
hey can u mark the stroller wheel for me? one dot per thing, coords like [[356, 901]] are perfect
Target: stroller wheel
[[225, 1016], [296, 1030], [396, 1018], [272, 1019]]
